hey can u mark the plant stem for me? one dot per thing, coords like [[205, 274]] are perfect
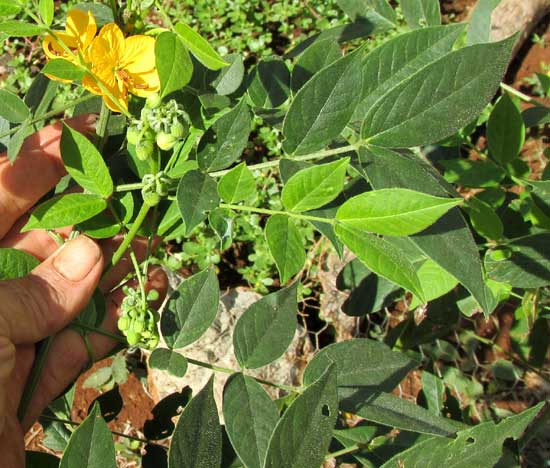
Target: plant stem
[[344, 451], [34, 377], [74, 423], [131, 234], [522, 96], [50, 114], [274, 212], [128, 187], [306, 157], [102, 123], [90, 329], [226, 370]]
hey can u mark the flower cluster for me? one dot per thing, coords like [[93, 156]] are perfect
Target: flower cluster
[[162, 123], [115, 65], [138, 321]]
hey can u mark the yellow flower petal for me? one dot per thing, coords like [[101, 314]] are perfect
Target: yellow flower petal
[[144, 84], [139, 55], [82, 26], [53, 49]]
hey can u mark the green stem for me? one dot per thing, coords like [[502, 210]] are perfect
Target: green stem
[[344, 451], [75, 424], [522, 96], [102, 123], [226, 370], [128, 187], [131, 234], [98, 331], [306, 157], [34, 377], [50, 114], [141, 282], [275, 212]]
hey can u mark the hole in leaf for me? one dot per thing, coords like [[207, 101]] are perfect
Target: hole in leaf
[[325, 410], [470, 440]]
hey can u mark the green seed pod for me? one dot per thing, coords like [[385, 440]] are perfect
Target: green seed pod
[[178, 130], [133, 135], [123, 323], [153, 101], [165, 141], [144, 150], [138, 326], [132, 337]]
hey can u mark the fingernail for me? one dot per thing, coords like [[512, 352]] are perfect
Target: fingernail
[[77, 258]]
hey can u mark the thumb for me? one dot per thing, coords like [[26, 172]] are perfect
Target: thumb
[[45, 301]]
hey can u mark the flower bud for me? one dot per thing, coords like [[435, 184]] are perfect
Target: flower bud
[[178, 130], [144, 149], [153, 101], [151, 198], [165, 141], [132, 337], [138, 326], [123, 323]]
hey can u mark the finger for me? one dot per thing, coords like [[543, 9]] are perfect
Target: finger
[[68, 355], [46, 300], [37, 169]]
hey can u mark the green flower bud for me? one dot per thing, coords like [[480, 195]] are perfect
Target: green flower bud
[[144, 150], [138, 326], [151, 198], [153, 101], [123, 323], [165, 141], [133, 135]]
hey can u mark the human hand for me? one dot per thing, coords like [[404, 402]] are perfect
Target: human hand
[[44, 302]]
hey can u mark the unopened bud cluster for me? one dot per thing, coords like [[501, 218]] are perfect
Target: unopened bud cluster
[[161, 124], [155, 187], [138, 321]]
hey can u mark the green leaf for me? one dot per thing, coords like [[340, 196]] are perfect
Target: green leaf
[[98, 379], [388, 169], [266, 329], [103, 14], [377, 11], [46, 8], [12, 107], [63, 69], [394, 212], [237, 185], [390, 410], [41, 94], [191, 309], [324, 106], [269, 85], [505, 131], [197, 194], [479, 30], [85, 164], [197, 439], [17, 28], [18, 139], [8, 8], [65, 210], [170, 218], [433, 390], [484, 219], [104, 225], [170, 361], [522, 263], [225, 140], [394, 61], [421, 13], [479, 446], [381, 257], [286, 245], [472, 173], [361, 363], [316, 57], [250, 418], [200, 47], [229, 79], [174, 65], [435, 282], [314, 186], [91, 444], [302, 436], [448, 93], [16, 264]]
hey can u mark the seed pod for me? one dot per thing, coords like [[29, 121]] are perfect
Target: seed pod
[[165, 141], [123, 323], [133, 338], [133, 135], [138, 326], [144, 150], [153, 101]]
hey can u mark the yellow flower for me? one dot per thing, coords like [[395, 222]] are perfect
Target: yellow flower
[[81, 29], [122, 65]]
